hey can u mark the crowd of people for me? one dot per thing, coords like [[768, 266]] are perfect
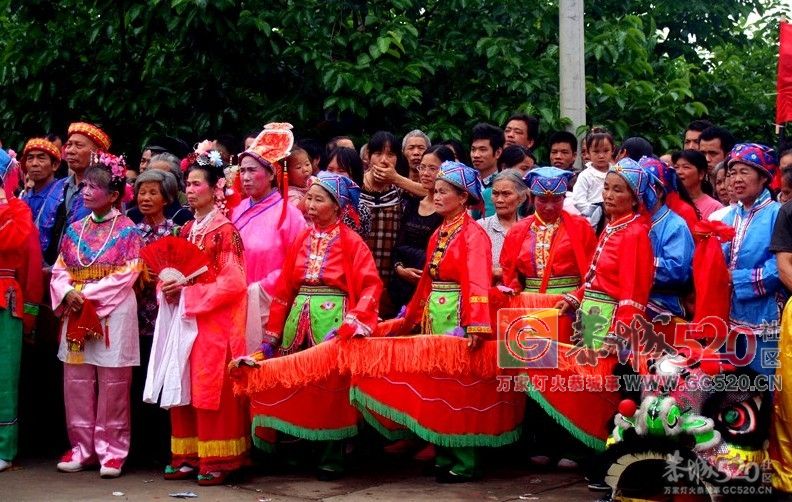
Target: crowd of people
[[412, 242]]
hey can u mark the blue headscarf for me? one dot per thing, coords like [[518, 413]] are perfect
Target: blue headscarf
[[668, 177], [5, 163], [463, 177], [640, 181], [760, 157], [342, 189], [548, 180]]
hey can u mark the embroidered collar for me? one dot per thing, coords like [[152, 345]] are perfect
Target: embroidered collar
[[447, 227], [539, 222], [328, 231], [445, 235], [622, 222], [763, 200], [661, 214], [272, 193]]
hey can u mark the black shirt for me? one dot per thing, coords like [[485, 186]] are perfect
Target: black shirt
[[782, 233]]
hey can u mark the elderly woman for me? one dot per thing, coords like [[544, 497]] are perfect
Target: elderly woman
[[175, 209], [757, 296], [267, 223], [329, 283], [155, 190], [92, 289], [418, 223], [550, 251], [615, 290], [508, 194], [619, 280], [544, 256], [451, 301], [724, 191]]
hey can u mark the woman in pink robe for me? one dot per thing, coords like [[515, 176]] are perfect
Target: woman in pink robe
[[268, 225]]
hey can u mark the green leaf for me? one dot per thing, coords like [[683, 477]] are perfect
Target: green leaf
[[383, 43], [468, 108]]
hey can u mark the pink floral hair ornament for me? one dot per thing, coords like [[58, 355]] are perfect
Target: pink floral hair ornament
[[114, 164], [204, 146]]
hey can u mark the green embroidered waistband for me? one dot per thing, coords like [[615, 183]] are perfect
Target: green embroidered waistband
[[556, 285], [598, 296], [320, 290], [445, 286]]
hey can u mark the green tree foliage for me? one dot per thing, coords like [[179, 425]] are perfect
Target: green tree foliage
[[194, 68]]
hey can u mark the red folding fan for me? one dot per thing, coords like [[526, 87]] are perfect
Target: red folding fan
[[174, 258]]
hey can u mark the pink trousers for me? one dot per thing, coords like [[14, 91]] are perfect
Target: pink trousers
[[97, 412]]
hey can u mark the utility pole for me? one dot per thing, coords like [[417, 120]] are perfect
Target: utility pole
[[572, 69]]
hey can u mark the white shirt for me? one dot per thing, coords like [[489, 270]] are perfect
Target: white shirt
[[720, 213], [496, 233], [587, 192]]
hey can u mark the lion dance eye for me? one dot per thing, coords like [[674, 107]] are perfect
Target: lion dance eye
[[739, 418]]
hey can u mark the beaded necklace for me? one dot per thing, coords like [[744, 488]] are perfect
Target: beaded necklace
[[445, 235], [101, 249], [198, 229]]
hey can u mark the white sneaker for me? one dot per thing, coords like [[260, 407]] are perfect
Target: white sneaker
[[68, 465], [4, 464], [111, 468], [109, 472]]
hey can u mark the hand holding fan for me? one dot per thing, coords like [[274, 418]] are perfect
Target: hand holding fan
[[174, 259]]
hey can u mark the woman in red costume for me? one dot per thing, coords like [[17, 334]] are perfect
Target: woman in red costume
[[616, 287], [457, 411], [329, 285], [610, 302], [549, 252], [544, 256], [210, 435], [20, 293]]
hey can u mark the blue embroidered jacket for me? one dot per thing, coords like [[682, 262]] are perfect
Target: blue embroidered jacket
[[672, 244], [758, 295]]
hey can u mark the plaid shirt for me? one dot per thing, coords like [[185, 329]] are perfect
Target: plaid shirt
[[386, 213]]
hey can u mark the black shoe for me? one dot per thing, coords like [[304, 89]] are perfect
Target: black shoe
[[598, 486], [328, 475], [448, 477]]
